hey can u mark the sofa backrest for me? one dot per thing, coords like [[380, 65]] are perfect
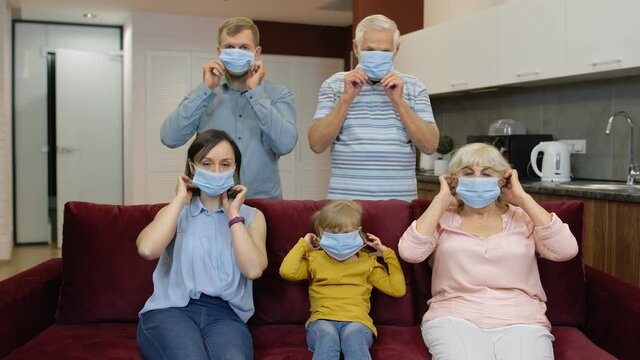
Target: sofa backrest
[[281, 301], [563, 282], [103, 277], [105, 280]]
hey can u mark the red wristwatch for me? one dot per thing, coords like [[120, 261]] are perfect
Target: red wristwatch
[[235, 220]]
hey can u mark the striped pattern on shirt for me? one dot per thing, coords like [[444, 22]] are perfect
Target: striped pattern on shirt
[[373, 158]]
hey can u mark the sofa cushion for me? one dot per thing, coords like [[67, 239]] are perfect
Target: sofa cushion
[[276, 342], [103, 277], [279, 301], [88, 341], [571, 344], [563, 282]]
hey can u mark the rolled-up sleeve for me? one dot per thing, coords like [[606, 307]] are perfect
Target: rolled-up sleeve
[[414, 247], [554, 241]]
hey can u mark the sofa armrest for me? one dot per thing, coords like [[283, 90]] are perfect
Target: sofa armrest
[[613, 314], [28, 303]]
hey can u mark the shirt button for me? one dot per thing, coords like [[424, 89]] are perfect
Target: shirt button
[[239, 137], [240, 115], [250, 97]]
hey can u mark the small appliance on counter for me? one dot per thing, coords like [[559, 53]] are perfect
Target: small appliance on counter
[[507, 127], [515, 148], [556, 162]]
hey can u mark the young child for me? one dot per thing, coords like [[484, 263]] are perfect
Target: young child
[[341, 275]]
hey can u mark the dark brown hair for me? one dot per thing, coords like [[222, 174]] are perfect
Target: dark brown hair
[[203, 143]]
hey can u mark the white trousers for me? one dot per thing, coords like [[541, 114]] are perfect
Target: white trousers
[[453, 338]]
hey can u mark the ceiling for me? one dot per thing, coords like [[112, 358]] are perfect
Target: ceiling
[[116, 12]]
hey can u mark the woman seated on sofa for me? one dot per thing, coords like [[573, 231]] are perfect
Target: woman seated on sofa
[[484, 232], [211, 246]]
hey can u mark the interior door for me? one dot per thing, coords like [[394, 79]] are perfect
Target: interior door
[[88, 129]]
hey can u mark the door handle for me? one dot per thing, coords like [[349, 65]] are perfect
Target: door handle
[[64, 150]]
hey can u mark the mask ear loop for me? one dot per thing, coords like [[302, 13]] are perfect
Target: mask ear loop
[[192, 167]]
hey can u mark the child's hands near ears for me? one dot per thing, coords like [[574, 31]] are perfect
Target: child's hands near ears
[[312, 240], [375, 243]]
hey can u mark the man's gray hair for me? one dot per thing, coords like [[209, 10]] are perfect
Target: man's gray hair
[[377, 22]]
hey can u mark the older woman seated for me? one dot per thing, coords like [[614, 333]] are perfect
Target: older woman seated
[[483, 232]]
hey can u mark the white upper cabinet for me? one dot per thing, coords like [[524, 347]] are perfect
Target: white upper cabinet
[[525, 40], [602, 35], [531, 40], [453, 56]]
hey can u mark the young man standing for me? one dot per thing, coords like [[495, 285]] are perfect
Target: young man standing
[[235, 97]]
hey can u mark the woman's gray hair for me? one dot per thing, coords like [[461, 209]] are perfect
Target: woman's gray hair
[[377, 22], [478, 154]]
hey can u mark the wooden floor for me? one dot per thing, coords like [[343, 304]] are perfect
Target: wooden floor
[[26, 256]]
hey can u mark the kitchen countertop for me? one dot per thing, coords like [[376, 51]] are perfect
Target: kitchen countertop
[[540, 187]]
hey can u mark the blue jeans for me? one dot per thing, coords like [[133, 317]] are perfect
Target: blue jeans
[[206, 328], [327, 338]]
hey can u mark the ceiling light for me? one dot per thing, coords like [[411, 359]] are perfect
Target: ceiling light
[[89, 15]]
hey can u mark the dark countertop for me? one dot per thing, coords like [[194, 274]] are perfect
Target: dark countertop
[[539, 187]]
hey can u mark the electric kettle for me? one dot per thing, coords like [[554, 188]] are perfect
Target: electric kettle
[[556, 162]]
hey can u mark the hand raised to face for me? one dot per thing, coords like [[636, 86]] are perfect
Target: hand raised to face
[[212, 73], [354, 80], [255, 75]]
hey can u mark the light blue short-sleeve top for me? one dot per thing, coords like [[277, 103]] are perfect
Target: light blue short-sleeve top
[[200, 260]]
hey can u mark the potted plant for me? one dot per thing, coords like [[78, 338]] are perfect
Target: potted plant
[[445, 146]]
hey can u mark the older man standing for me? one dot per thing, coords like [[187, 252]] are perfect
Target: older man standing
[[372, 116], [235, 97]]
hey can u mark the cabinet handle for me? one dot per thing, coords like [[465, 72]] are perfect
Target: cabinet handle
[[606, 62], [460, 84], [528, 73]]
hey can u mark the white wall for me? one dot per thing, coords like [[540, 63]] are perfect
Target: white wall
[[6, 190], [151, 32], [441, 11]]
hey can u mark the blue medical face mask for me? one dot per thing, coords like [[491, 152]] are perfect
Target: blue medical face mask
[[212, 183], [478, 192], [341, 246], [237, 61], [376, 63]]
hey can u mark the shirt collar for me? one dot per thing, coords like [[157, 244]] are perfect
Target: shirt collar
[[224, 83], [196, 207]]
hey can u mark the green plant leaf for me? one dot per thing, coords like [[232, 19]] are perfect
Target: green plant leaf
[[445, 145]]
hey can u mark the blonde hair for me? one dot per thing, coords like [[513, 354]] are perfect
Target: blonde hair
[[377, 22], [337, 214], [478, 154], [233, 26]]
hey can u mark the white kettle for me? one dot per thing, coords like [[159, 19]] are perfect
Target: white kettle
[[556, 163]]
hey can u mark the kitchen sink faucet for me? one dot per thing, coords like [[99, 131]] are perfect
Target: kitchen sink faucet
[[633, 171]]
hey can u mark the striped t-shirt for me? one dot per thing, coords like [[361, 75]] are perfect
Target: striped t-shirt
[[373, 158]]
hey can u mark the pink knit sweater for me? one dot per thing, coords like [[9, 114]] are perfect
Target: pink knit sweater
[[493, 281]]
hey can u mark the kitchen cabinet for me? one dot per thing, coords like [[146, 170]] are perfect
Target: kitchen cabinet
[[524, 41], [427, 190], [453, 56], [611, 235], [602, 35], [531, 40]]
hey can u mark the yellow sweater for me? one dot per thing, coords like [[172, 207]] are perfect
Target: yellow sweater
[[341, 291]]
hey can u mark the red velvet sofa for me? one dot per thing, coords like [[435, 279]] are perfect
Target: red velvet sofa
[[84, 306]]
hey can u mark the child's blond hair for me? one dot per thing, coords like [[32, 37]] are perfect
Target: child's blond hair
[[337, 214]]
